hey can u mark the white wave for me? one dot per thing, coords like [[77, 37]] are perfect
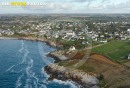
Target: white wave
[[45, 74], [36, 78], [35, 84], [28, 68], [25, 56], [31, 76], [24, 60], [18, 82], [43, 53], [22, 46], [37, 81], [23, 50], [29, 73], [20, 70], [9, 68], [46, 60], [27, 83], [71, 83], [43, 86]]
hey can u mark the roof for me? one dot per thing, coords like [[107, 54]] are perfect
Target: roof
[[128, 30]]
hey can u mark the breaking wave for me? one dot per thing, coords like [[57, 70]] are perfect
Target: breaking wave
[[71, 83]]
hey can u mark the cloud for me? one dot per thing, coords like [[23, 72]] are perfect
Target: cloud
[[82, 0], [78, 6], [52, 6], [103, 1], [122, 5]]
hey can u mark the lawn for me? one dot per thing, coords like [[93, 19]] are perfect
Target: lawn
[[115, 50]]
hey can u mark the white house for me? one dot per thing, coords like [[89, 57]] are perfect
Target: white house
[[70, 34], [128, 32], [102, 36], [56, 36], [103, 41], [123, 38], [129, 56], [72, 48]]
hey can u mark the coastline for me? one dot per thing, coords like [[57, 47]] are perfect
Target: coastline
[[2, 38], [50, 43], [84, 79], [59, 72]]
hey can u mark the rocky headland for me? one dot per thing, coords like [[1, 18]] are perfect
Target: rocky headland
[[64, 73]]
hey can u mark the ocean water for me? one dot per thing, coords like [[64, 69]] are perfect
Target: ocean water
[[21, 65]]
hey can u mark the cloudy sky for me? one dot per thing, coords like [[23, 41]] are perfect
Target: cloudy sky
[[71, 6]]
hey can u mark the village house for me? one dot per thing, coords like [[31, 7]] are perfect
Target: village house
[[71, 33], [128, 33], [103, 41], [123, 38], [0, 30], [72, 48], [129, 56]]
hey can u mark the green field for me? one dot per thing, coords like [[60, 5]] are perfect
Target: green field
[[115, 50]]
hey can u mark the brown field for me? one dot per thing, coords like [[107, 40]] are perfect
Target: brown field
[[104, 59], [115, 75]]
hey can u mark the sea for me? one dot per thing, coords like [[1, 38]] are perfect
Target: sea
[[22, 65]]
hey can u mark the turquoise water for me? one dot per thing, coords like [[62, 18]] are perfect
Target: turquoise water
[[21, 65]]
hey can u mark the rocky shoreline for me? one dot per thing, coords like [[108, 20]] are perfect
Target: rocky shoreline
[[64, 73], [86, 80], [50, 43], [58, 56]]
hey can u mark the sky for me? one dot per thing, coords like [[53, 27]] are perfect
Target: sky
[[70, 6]]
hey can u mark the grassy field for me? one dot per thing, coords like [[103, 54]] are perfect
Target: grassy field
[[115, 50], [115, 75]]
